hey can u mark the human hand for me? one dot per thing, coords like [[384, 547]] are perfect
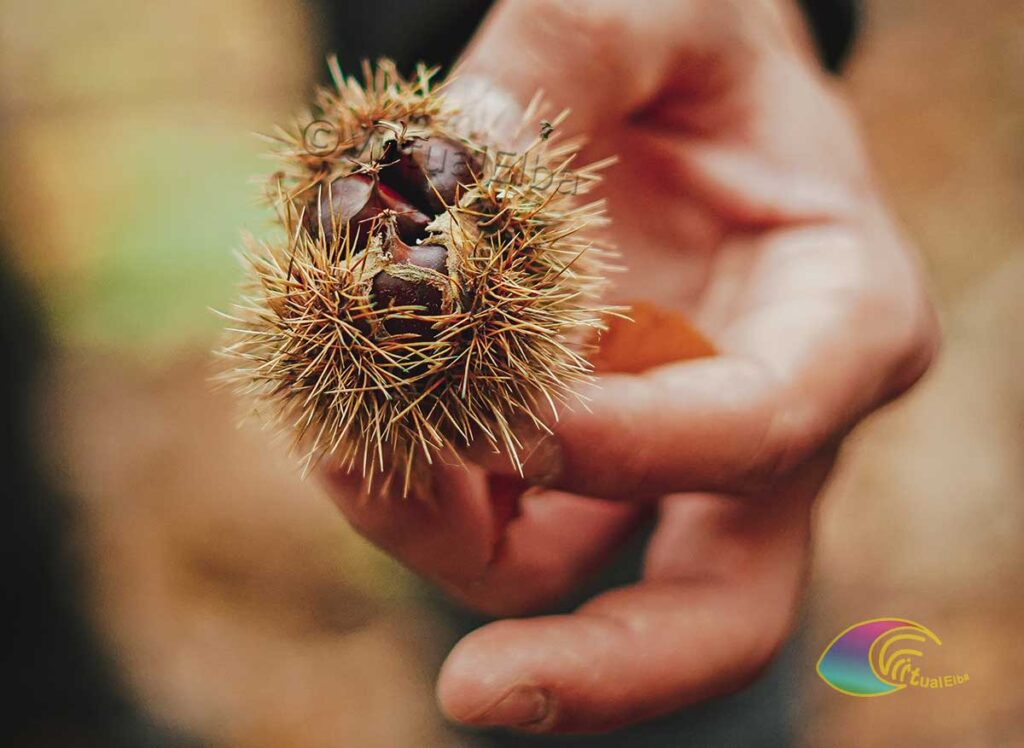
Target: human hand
[[742, 197]]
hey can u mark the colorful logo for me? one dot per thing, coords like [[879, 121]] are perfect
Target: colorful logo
[[879, 657]]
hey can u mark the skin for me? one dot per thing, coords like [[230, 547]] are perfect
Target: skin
[[743, 197]]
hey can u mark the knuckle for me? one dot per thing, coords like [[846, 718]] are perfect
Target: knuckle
[[789, 440], [918, 348], [367, 516], [365, 523], [908, 343]]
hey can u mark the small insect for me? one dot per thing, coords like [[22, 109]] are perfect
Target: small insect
[[546, 128]]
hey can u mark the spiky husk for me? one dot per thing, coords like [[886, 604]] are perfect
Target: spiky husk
[[521, 299]]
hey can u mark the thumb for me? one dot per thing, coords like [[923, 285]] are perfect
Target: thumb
[[598, 58]]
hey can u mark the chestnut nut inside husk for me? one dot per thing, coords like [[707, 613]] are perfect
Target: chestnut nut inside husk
[[389, 290], [416, 180], [430, 172], [356, 200]]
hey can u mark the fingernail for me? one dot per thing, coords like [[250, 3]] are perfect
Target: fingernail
[[523, 706]]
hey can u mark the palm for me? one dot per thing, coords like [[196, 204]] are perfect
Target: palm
[[694, 209]]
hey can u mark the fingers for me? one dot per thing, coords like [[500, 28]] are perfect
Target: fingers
[[704, 622], [828, 327], [706, 425], [642, 652], [482, 544], [832, 319], [555, 545], [449, 538]]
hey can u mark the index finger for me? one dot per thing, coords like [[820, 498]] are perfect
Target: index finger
[[831, 329], [721, 586], [482, 541]]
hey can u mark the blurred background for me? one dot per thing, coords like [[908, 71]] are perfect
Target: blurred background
[[171, 580]]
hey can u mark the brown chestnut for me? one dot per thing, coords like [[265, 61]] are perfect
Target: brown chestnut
[[392, 291], [356, 200], [431, 172]]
